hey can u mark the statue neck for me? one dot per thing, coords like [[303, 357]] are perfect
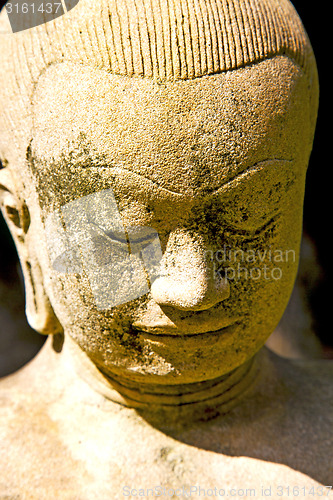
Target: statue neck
[[171, 404]]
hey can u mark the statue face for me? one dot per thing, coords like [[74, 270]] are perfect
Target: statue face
[[215, 168]]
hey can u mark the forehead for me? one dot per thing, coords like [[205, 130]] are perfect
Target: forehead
[[187, 137]]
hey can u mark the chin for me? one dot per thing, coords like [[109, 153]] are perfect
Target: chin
[[179, 360]]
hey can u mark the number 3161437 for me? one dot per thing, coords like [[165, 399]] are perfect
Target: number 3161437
[[25, 8]]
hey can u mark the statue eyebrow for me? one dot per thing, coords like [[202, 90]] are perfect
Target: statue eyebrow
[[248, 172], [101, 162], [238, 177]]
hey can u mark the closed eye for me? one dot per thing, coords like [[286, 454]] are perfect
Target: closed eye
[[141, 237], [126, 238], [252, 235], [115, 236]]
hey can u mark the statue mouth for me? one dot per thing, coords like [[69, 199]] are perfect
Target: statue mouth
[[167, 331]]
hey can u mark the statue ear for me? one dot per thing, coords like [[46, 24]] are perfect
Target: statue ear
[[39, 311], [15, 212]]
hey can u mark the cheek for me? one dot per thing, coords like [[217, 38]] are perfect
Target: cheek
[[75, 305], [261, 278]]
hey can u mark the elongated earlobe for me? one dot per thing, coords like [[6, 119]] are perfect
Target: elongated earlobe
[[39, 311]]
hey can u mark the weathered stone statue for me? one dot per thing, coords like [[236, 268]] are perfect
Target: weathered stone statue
[[154, 157]]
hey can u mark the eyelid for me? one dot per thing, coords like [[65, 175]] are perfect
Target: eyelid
[[102, 233], [112, 235], [128, 236], [256, 232]]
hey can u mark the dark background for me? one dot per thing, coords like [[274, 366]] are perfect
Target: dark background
[[318, 199]]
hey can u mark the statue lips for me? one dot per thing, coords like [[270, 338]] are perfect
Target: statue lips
[[160, 329]]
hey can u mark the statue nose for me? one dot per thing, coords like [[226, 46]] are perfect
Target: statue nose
[[189, 294], [188, 280]]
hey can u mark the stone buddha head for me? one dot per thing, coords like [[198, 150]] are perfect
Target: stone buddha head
[[154, 159]]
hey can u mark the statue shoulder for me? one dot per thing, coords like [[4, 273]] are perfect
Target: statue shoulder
[[315, 378], [306, 385]]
